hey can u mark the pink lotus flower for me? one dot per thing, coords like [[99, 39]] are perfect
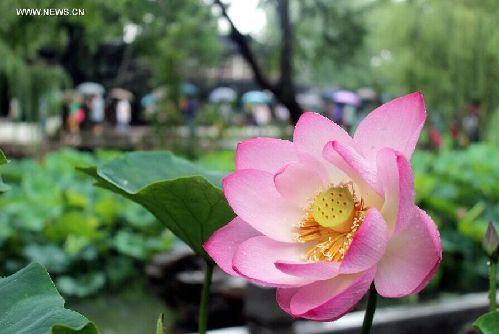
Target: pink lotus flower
[[322, 217]]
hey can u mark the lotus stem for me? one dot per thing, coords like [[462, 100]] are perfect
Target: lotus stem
[[370, 309], [205, 296], [492, 284]]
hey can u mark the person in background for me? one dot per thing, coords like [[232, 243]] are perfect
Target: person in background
[[75, 117], [348, 119], [455, 133], [123, 115], [14, 113], [435, 138], [327, 111], [471, 122], [282, 114], [188, 106], [261, 114], [97, 114], [110, 113], [225, 111], [85, 122], [337, 113], [65, 116]]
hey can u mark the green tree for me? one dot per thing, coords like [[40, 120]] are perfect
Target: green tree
[[170, 39], [329, 41], [449, 49], [178, 40], [20, 75]]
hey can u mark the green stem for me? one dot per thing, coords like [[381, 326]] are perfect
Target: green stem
[[370, 309], [205, 296], [492, 284]]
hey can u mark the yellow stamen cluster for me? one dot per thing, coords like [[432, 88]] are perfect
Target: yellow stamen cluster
[[330, 223]]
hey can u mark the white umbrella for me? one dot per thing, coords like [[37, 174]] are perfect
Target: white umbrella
[[90, 88], [222, 94], [121, 94]]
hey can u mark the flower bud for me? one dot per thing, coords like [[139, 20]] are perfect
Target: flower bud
[[491, 241]]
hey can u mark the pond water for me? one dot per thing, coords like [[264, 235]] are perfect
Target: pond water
[[125, 313]]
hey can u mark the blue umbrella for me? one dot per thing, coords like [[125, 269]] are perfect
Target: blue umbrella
[[256, 97], [189, 89], [147, 100]]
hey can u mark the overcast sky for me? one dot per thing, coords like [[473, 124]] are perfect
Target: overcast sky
[[245, 15]]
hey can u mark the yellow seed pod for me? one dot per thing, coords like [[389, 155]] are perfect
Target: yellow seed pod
[[334, 208]]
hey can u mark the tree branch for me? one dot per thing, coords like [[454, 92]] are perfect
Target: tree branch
[[246, 51], [287, 48]]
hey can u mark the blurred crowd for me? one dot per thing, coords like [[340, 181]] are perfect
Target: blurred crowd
[[85, 108], [260, 108], [89, 108]]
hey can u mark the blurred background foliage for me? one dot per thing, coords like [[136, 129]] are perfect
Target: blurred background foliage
[[333, 28], [460, 190], [88, 238], [448, 49]]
